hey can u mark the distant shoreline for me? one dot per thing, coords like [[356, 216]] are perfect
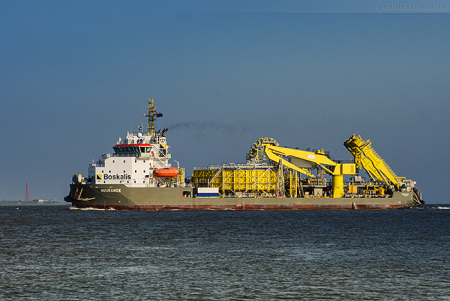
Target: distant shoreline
[[31, 203]]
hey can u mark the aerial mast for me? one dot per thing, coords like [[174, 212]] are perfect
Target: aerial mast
[[27, 195], [152, 115]]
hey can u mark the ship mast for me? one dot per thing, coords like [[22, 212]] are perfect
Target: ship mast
[[152, 115]]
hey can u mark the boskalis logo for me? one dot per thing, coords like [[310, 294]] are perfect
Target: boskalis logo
[[115, 177]]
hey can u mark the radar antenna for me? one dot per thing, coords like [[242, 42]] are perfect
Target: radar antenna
[[152, 115]]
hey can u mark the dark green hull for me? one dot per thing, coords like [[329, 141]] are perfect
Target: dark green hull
[[121, 197]]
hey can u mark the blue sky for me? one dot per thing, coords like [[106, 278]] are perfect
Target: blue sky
[[76, 75]]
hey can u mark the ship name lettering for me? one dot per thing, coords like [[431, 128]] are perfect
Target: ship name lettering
[[110, 190]]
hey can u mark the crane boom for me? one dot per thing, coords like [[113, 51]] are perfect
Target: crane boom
[[366, 157], [314, 159]]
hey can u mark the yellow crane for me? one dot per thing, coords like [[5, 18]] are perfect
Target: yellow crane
[[303, 161], [367, 158]]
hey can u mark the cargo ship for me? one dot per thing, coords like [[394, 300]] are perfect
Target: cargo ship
[[139, 176]]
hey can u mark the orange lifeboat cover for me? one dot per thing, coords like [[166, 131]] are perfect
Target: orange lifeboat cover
[[171, 172]]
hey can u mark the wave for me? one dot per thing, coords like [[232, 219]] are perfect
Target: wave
[[92, 209], [442, 208]]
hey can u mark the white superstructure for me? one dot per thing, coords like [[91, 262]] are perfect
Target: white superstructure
[[139, 160]]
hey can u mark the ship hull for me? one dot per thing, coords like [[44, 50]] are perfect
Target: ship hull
[[121, 197]]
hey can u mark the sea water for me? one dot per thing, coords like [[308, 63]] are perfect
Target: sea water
[[57, 253]]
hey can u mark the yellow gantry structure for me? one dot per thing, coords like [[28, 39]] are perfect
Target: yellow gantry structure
[[367, 158], [240, 179]]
